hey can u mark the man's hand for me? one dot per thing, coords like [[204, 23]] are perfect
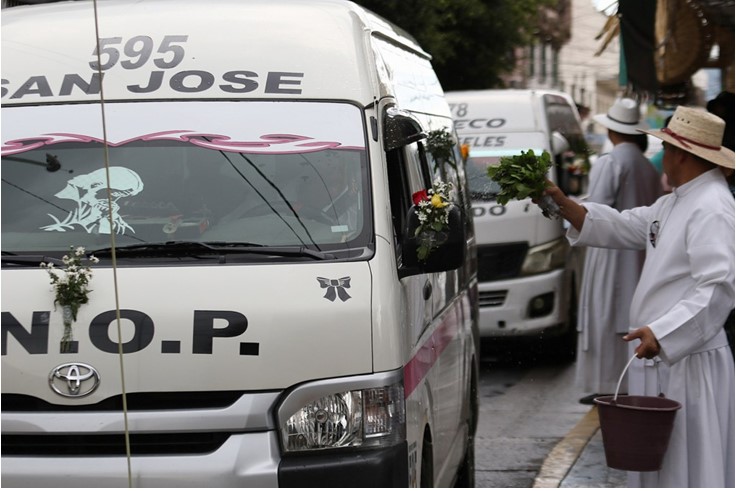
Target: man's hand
[[569, 209], [649, 347]]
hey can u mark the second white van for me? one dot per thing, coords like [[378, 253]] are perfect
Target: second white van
[[528, 275]]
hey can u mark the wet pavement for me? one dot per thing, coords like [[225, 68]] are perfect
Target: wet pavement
[[533, 432], [579, 461]]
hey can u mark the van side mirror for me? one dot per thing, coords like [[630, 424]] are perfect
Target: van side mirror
[[559, 143], [449, 253], [400, 128]]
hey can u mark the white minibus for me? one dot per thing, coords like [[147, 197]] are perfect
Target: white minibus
[[259, 311], [528, 275]]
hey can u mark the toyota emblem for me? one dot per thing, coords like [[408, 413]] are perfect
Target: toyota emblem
[[74, 379]]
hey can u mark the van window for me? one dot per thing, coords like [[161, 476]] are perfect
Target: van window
[[398, 190], [408, 173], [443, 170], [272, 174], [572, 167], [417, 167], [561, 117]]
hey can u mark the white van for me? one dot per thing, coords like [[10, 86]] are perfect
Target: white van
[[259, 316], [527, 273]]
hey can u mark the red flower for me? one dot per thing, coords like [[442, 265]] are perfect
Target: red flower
[[419, 196]]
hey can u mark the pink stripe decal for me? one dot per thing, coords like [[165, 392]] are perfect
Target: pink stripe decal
[[428, 354], [268, 144]]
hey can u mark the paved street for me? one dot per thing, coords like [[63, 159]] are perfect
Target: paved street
[[589, 471], [533, 432]]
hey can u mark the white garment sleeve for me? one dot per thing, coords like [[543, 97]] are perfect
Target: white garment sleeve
[[608, 228]]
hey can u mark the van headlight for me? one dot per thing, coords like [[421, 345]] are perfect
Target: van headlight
[[369, 417], [546, 257]]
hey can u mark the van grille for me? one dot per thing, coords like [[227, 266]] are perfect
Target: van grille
[[499, 262], [155, 401], [492, 299], [111, 444]]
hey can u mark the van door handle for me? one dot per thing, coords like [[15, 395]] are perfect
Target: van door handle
[[427, 290]]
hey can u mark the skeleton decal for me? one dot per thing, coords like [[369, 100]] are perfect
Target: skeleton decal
[[89, 191]]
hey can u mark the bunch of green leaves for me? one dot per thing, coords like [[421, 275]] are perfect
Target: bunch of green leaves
[[521, 176], [440, 144]]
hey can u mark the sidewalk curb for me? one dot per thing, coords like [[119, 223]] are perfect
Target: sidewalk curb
[[561, 459]]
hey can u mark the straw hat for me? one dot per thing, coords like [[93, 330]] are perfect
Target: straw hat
[[622, 117], [698, 132]]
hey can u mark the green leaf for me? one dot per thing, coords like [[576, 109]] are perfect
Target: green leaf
[[521, 176], [422, 252]]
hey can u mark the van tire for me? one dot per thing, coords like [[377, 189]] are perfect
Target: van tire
[[568, 343], [466, 472], [426, 477]]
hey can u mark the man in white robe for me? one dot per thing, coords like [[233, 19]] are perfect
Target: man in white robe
[[684, 295], [622, 179]]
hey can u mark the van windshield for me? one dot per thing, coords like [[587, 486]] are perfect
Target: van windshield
[[482, 187], [272, 174]]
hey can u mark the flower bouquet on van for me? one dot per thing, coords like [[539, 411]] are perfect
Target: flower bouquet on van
[[432, 207], [525, 176], [440, 144], [71, 288]]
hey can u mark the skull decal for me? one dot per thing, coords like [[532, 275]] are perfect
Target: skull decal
[[89, 191]]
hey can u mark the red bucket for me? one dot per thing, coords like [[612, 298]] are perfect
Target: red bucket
[[636, 429]]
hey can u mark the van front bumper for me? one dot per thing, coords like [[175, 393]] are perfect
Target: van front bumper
[[373, 468], [504, 306], [246, 460]]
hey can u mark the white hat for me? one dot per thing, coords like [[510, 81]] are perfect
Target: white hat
[[623, 117], [698, 132]]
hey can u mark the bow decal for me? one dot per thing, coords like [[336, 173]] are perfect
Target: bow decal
[[335, 288]]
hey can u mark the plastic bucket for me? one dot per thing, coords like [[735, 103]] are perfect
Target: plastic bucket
[[635, 429]]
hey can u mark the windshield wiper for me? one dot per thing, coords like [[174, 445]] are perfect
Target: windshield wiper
[[194, 248], [52, 163], [35, 260]]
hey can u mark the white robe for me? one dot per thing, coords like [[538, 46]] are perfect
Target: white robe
[[684, 295], [622, 179]]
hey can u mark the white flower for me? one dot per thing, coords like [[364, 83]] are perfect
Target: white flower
[[432, 210], [71, 284]]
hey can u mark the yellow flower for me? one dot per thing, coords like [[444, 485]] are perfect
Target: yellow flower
[[437, 201]]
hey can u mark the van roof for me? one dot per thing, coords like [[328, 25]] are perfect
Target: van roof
[[508, 95], [159, 49], [510, 110]]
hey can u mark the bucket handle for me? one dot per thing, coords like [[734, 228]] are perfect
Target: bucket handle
[[620, 379]]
